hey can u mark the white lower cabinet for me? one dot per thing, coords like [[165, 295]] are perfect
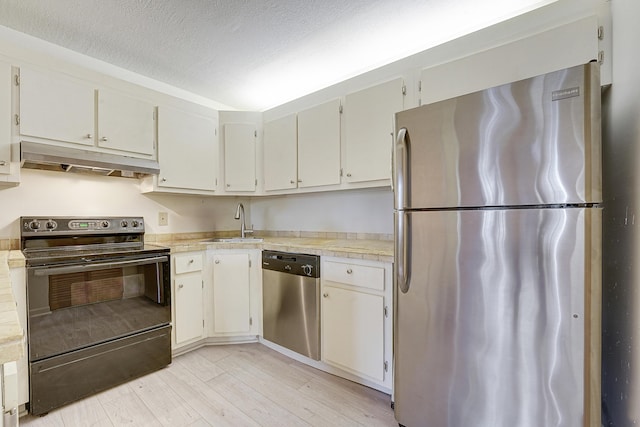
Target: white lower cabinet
[[236, 297], [231, 294], [356, 318], [188, 289]]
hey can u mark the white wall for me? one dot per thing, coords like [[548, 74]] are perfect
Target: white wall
[[56, 193], [621, 228], [353, 211]]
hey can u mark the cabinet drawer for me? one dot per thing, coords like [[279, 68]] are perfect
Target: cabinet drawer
[[354, 274], [186, 263]]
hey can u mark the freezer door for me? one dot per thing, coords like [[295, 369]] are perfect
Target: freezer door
[[533, 142], [499, 325]]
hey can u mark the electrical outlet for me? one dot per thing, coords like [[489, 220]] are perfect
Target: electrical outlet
[[163, 218]]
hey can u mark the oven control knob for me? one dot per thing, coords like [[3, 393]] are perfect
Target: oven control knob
[[34, 225], [124, 224], [51, 225], [135, 223], [307, 269], [105, 224]]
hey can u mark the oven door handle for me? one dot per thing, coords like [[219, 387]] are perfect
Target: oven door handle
[[48, 271]]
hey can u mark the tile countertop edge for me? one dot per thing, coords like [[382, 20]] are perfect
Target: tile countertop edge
[[11, 333], [372, 250]]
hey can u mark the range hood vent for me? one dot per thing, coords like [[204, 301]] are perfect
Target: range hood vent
[[64, 159]]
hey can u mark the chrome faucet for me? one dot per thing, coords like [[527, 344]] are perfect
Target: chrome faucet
[[240, 215]]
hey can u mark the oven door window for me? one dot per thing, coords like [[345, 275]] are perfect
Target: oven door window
[[72, 307]]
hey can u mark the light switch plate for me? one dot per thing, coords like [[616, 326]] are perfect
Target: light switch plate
[[163, 218]]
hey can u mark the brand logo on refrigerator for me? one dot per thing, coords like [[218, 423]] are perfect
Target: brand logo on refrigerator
[[565, 93]]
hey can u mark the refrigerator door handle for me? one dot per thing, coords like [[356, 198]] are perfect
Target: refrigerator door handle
[[401, 168], [403, 260]]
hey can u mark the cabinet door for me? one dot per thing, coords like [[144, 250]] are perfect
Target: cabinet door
[[240, 156], [188, 307], [57, 107], [353, 331], [5, 118], [319, 145], [369, 130], [281, 153], [125, 123], [231, 297], [187, 149]]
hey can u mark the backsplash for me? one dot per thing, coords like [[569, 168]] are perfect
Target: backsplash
[[172, 237]]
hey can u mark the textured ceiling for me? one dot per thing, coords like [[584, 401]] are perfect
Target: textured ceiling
[[252, 54]]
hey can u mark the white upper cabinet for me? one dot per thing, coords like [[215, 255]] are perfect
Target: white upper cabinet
[[125, 123], [369, 129], [5, 118], [280, 142], [187, 149], [240, 157], [319, 145], [56, 106], [61, 108]]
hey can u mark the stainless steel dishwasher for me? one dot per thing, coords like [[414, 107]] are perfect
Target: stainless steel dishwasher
[[291, 301]]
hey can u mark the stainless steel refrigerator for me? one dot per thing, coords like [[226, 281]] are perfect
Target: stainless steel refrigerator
[[498, 256]]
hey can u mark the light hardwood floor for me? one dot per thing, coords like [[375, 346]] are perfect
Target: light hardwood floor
[[232, 385]]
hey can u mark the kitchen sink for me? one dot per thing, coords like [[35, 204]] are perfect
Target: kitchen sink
[[235, 240]]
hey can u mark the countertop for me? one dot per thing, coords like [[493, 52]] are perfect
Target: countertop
[[373, 250], [11, 333]]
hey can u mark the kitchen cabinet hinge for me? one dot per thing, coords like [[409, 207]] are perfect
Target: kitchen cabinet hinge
[[250, 321], [601, 56], [420, 86], [386, 366], [341, 172], [202, 323], [340, 109], [249, 263], [17, 79], [386, 311], [203, 284], [404, 89], [256, 182], [600, 32], [255, 133], [17, 116], [216, 182]]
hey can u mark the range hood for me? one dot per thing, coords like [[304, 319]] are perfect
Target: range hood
[[49, 157]]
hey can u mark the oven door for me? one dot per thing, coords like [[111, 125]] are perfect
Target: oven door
[[74, 306]]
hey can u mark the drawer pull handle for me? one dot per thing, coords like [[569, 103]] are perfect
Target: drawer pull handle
[[349, 271], [191, 261], [181, 286]]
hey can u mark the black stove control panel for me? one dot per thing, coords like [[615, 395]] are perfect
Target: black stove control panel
[[79, 226]]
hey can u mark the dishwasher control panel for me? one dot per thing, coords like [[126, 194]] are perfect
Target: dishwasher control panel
[[291, 263]]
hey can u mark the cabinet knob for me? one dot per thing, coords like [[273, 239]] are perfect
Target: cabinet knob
[[3, 163], [349, 175], [325, 295], [228, 185], [217, 261], [164, 180], [191, 261], [292, 182], [181, 286], [104, 138], [349, 271], [88, 136]]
